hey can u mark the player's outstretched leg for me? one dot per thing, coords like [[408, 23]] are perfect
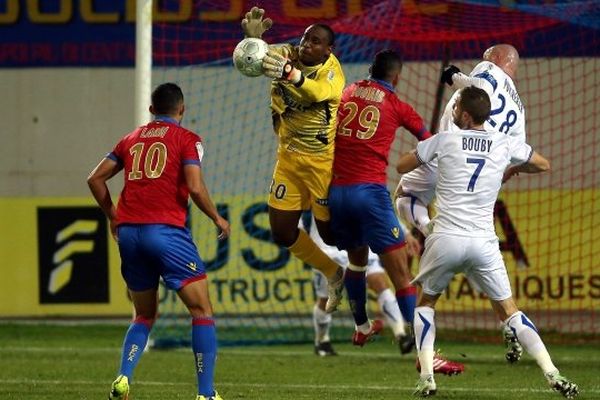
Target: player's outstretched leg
[[527, 334], [395, 263], [424, 325], [307, 250]]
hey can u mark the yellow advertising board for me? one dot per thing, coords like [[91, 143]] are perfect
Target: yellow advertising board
[[59, 259]]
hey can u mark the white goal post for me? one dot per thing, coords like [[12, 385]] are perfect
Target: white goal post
[[143, 60]]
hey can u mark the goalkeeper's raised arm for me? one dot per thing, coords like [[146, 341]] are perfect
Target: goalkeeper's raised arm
[[292, 64]]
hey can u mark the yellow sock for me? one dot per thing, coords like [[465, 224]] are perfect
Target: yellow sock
[[305, 249]]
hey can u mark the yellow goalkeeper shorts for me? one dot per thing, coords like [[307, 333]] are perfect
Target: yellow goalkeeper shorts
[[301, 182]]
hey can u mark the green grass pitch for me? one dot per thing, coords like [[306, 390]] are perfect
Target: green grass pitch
[[79, 362]]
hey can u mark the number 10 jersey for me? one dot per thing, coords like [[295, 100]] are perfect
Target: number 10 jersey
[[153, 157]]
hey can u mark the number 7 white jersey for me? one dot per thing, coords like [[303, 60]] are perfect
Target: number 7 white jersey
[[507, 116], [470, 168]]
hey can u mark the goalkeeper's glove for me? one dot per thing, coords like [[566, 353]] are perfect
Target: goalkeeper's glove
[[253, 23], [276, 66], [448, 73]]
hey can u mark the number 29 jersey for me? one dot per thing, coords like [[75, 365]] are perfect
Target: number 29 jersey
[[471, 164], [153, 157], [368, 117]]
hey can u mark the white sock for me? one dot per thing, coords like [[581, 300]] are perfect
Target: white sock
[[414, 212], [364, 328], [389, 307], [527, 335], [424, 325], [357, 268], [322, 323]]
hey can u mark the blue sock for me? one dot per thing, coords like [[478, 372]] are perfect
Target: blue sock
[[204, 345], [356, 286], [407, 300], [133, 345]]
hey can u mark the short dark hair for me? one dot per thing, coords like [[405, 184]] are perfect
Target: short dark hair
[[330, 32], [384, 64], [476, 102], [166, 98]]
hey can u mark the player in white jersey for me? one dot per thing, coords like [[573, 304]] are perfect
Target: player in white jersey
[[471, 166], [495, 75], [376, 281]]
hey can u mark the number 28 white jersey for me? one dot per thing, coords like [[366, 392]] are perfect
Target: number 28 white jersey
[[507, 116], [470, 168]]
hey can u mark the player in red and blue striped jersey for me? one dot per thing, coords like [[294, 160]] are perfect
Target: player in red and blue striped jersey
[[161, 163], [362, 214]]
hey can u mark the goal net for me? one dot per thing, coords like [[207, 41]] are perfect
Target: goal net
[[260, 292]]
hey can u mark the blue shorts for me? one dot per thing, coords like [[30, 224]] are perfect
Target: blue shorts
[[151, 251], [364, 215]]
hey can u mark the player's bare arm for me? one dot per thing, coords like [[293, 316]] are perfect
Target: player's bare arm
[[201, 198], [412, 244], [96, 180], [536, 164], [408, 162]]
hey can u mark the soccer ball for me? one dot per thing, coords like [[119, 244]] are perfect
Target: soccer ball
[[248, 55]]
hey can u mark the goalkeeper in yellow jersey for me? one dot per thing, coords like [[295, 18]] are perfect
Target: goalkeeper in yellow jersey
[[305, 95]]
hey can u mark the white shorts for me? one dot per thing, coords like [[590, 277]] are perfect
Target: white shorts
[[341, 257], [478, 258], [420, 182]]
